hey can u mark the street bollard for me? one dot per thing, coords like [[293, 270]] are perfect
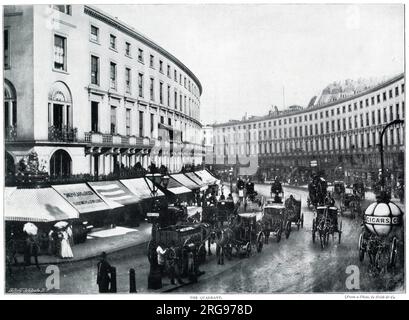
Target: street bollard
[[132, 281], [113, 280]]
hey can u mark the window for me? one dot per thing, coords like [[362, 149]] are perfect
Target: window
[[168, 96], [94, 70], [128, 122], [384, 96], [113, 76], [176, 100], [63, 8], [128, 80], [140, 85], [140, 55], [6, 49], [152, 123], [60, 53], [378, 98], [396, 91], [360, 104], [112, 41], [141, 124], [113, 120], [151, 61], [373, 118], [175, 75], [379, 116], [151, 89], [367, 119], [390, 94], [366, 102], [402, 88], [161, 92], [127, 49], [180, 102], [397, 111], [94, 34], [385, 117], [168, 71], [160, 66], [372, 100]]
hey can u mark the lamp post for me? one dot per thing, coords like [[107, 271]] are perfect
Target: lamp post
[[392, 123], [155, 276], [231, 180]]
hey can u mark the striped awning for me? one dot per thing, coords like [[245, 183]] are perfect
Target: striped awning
[[114, 193], [206, 177], [195, 178], [185, 181], [176, 188], [37, 205], [141, 188]]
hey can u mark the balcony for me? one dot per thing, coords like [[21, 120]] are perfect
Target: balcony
[[11, 133], [117, 140], [64, 134]]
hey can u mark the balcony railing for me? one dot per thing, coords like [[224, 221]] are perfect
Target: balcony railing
[[11, 133], [64, 134], [117, 140]]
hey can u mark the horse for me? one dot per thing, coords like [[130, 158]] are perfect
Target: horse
[[223, 238]]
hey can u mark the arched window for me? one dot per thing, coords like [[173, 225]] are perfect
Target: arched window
[[10, 109], [60, 164], [59, 111]]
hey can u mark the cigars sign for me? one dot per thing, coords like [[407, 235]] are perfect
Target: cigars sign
[[382, 220]]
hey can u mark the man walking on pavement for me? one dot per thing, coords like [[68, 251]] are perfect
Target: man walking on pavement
[[104, 272]]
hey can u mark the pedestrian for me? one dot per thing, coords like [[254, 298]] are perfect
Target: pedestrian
[[12, 250], [31, 248], [161, 258], [66, 251], [104, 274], [171, 265], [52, 237]]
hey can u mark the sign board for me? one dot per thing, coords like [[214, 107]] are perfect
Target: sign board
[[313, 163]]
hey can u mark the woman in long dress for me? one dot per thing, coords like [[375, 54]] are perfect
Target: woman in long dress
[[66, 251]]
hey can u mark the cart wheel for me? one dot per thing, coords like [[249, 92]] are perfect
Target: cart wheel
[[248, 249], [288, 230], [393, 252], [313, 230], [260, 242], [361, 247]]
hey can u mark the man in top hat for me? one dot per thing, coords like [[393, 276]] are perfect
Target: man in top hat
[[104, 274]]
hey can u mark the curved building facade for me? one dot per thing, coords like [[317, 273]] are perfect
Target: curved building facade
[[89, 94], [343, 134]]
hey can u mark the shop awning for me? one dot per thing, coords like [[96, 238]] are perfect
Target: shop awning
[[37, 205], [176, 188], [141, 188], [81, 197], [195, 178], [206, 177], [114, 193], [185, 181]]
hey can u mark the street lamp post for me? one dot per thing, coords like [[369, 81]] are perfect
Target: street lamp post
[[155, 276], [392, 123], [231, 180]]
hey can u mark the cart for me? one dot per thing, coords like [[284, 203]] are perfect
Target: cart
[[325, 223], [274, 220], [294, 215]]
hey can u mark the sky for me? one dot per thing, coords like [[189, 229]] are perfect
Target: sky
[[251, 57]]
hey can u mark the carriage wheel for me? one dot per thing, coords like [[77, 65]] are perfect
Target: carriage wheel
[[313, 230], [260, 242], [248, 249], [288, 230], [278, 234], [361, 247], [393, 253]]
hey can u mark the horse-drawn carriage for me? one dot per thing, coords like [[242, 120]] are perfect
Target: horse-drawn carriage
[[350, 205], [317, 191], [339, 189], [250, 192], [294, 215], [325, 223], [183, 238], [274, 220], [245, 236], [379, 238], [359, 189]]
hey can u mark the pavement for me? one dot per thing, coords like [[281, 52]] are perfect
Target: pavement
[[107, 240]]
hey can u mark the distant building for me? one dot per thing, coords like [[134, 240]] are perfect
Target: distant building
[[342, 133], [88, 93]]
